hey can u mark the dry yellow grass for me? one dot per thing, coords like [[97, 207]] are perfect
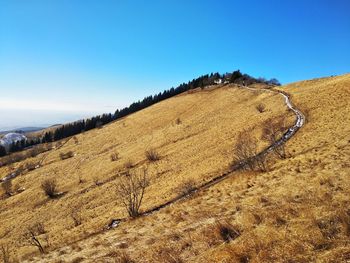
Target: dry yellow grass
[[296, 212]]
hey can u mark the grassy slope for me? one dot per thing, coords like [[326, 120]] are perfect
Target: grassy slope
[[297, 211]]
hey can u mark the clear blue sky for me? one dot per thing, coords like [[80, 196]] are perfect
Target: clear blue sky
[[77, 58]]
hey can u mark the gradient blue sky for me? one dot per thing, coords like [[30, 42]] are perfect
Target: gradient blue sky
[[67, 59]]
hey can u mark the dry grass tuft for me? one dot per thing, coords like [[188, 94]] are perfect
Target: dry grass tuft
[[152, 155], [49, 186]]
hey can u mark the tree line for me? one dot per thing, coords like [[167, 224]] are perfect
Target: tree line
[[80, 126]]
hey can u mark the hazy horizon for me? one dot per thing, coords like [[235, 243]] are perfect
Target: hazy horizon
[[61, 60]]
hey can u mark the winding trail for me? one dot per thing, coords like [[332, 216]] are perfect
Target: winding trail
[[300, 121]]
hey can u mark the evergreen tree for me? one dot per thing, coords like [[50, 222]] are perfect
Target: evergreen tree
[[2, 151]]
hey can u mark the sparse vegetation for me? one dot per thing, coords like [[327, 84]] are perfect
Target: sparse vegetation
[[7, 187], [246, 153], [261, 107], [152, 155], [49, 186], [114, 156], [272, 132], [76, 217], [66, 155], [5, 254], [187, 187], [131, 190], [31, 237], [31, 166], [128, 164], [227, 232]]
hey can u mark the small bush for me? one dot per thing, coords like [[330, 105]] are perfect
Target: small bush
[[261, 107], [49, 186], [38, 228], [152, 155], [5, 253], [124, 258], [228, 232], [246, 154], [97, 181], [7, 187], [186, 187], [128, 164], [66, 155], [31, 166], [114, 156], [178, 121], [130, 191], [76, 217]]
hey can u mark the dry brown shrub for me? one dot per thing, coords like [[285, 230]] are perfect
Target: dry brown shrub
[[7, 187], [261, 107], [131, 189], [152, 155], [246, 153], [114, 156], [273, 130], [5, 254], [49, 186], [66, 155], [186, 187]]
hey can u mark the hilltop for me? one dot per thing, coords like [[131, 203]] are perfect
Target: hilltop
[[296, 211]]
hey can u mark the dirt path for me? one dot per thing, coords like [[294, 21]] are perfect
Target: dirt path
[[300, 120]]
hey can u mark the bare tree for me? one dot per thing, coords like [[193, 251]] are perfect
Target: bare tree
[[272, 132], [131, 189], [32, 238], [246, 153], [245, 149]]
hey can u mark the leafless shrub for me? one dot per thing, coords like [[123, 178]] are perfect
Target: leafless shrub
[[97, 181], [5, 253], [49, 186], [186, 187], [76, 217], [128, 164], [272, 131], [260, 162], [152, 155], [124, 258], [31, 237], [38, 228], [246, 153], [7, 187], [227, 232], [76, 140], [31, 166], [261, 107], [66, 155], [131, 189], [245, 149], [114, 156]]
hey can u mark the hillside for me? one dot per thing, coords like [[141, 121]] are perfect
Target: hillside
[[297, 211]]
